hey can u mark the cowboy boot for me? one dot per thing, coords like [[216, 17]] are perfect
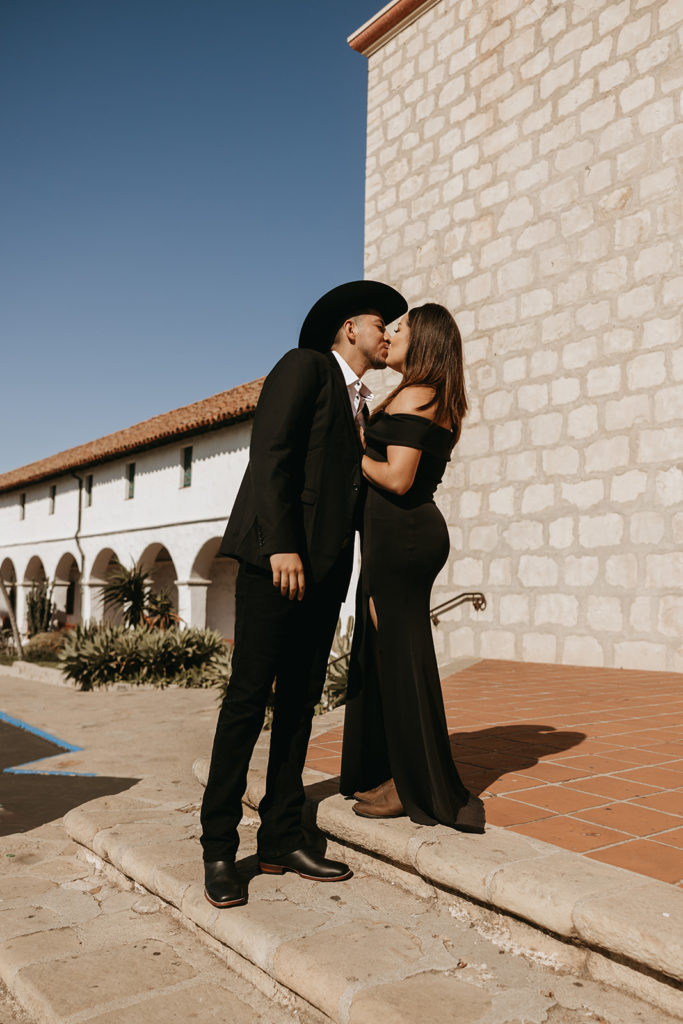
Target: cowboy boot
[[387, 805], [369, 795]]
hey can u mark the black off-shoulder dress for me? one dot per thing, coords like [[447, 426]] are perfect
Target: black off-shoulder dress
[[395, 723]]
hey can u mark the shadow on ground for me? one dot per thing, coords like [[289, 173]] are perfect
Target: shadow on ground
[[484, 756], [30, 800]]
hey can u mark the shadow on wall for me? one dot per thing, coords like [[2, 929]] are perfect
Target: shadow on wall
[[484, 756]]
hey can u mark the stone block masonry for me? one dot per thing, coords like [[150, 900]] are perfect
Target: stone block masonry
[[524, 169]]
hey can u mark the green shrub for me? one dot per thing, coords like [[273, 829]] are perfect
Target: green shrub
[[45, 646], [127, 591], [40, 607], [98, 655], [334, 690]]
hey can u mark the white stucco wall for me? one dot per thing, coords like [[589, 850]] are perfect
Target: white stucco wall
[[163, 516], [187, 521]]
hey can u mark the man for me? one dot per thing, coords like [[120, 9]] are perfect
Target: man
[[292, 529]]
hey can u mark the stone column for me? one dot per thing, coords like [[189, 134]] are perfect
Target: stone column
[[91, 601], [59, 595], [192, 601], [20, 610]]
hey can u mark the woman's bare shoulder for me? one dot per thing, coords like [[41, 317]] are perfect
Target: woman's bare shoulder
[[411, 399]]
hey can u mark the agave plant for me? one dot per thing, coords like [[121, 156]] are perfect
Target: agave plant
[[127, 591], [159, 610], [98, 655], [334, 690], [40, 607]]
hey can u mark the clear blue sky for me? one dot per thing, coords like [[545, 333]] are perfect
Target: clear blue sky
[[179, 181]]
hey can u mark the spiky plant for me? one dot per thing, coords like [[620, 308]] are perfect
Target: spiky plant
[[98, 655], [334, 690], [160, 612], [40, 607], [127, 592]]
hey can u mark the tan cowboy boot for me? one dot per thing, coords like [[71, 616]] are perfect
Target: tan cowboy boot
[[387, 805], [369, 795]]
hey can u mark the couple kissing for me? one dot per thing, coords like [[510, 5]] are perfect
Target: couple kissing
[[322, 467]]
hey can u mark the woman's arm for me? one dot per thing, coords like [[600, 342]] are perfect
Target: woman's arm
[[397, 474]]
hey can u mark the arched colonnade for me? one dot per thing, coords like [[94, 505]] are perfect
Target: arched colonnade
[[203, 596]]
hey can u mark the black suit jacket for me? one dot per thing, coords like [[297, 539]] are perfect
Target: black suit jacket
[[302, 487]]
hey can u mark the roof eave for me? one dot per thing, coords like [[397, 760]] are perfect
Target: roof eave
[[387, 23], [111, 456]]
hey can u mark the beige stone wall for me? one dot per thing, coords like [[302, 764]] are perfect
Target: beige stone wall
[[524, 168]]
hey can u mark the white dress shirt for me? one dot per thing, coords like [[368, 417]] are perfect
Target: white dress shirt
[[359, 394]]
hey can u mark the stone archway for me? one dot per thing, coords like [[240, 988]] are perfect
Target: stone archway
[[34, 574], [9, 576], [218, 574], [93, 603], [35, 571], [67, 593], [158, 560]]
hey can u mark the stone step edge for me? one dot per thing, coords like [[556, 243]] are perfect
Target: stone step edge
[[35, 994], [36, 673], [575, 899], [246, 947], [252, 943]]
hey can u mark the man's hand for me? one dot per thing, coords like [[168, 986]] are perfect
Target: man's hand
[[288, 575]]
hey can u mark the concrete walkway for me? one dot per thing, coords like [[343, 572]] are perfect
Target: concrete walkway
[[588, 759], [117, 895]]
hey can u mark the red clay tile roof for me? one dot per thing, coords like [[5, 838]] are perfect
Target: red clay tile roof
[[227, 407], [369, 36]]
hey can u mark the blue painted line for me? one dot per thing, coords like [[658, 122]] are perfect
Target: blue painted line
[[37, 732], [20, 770]]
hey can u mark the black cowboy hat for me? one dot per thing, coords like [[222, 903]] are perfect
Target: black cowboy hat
[[329, 313]]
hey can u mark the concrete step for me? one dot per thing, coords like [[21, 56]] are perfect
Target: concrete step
[[79, 943], [395, 943], [544, 897]]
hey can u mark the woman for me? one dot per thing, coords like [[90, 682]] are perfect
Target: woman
[[396, 756]]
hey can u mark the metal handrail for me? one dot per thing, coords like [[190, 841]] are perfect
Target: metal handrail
[[476, 597]]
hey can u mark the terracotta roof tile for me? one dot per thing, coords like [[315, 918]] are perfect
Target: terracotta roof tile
[[227, 407], [383, 25]]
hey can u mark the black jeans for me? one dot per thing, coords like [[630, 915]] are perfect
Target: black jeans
[[288, 641]]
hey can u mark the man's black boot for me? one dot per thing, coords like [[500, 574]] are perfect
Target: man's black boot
[[306, 864], [222, 885]]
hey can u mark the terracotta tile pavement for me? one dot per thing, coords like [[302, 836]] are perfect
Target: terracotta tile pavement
[[589, 759]]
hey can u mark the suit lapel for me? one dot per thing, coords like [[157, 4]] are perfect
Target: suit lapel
[[343, 396]]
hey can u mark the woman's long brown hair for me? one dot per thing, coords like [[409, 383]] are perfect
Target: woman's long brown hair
[[434, 360]]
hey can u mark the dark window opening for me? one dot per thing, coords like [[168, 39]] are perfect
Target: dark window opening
[[187, 466]]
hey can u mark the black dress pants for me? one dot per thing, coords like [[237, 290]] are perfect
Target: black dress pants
[[288, 641]]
